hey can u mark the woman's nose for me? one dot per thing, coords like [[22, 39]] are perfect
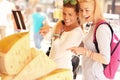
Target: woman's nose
[[84, 13], [66, 16]]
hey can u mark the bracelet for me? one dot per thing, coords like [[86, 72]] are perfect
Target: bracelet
[[56, 35], [91, 55], [84, 51], [88, 53]]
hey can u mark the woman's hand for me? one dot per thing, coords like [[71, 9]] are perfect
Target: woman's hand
[[77, 50], [44, 30]]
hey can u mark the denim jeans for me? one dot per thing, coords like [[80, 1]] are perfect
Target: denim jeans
[[37, 40]]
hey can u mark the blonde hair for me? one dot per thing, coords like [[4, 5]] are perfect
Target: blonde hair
[[97, 14]]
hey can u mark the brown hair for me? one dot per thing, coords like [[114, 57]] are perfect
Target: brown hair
[[75, 6]]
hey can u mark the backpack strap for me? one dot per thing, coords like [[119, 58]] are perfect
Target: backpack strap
[[94, 36]]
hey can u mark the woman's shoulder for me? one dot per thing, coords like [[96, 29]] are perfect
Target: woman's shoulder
[[78, 30], [103, 27]]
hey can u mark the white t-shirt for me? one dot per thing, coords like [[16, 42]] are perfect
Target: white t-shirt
[[92, 70], [59, 52]]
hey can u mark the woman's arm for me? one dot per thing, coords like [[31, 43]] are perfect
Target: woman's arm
[[103, 36]]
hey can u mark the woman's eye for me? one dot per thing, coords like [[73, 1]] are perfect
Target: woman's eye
[[64, 14], [81, 10], [70, 14], [87, 10]]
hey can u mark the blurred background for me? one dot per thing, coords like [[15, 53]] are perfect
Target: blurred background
[[52, 9]]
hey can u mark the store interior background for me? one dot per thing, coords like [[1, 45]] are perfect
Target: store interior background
[[53, 10]]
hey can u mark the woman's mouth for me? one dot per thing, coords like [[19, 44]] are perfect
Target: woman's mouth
[[87, 17]]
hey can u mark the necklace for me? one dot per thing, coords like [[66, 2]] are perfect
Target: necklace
[[87, 26]]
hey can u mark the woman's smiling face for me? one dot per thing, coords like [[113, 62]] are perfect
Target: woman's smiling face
[[87, 10], [69, 16]]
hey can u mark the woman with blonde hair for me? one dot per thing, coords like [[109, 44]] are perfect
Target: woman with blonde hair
[[92, 61]]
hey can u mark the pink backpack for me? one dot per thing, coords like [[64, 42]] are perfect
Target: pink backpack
[[110, 69]]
